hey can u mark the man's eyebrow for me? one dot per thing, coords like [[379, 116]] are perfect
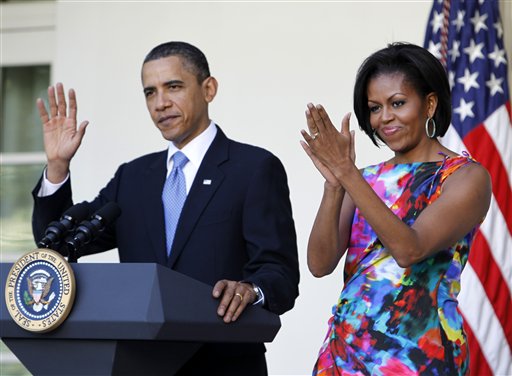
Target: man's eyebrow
[[166, 83], [173, 82]]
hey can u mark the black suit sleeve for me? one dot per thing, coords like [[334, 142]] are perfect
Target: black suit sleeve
[[269, 231], [50, 208]]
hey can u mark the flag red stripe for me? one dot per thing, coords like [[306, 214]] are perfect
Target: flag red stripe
[[481, 146], [477, 361], [493, 282], [444, 31]]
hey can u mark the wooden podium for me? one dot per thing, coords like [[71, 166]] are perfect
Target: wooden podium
[[137, 319]]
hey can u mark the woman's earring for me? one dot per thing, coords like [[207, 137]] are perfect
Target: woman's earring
[[433, 134]]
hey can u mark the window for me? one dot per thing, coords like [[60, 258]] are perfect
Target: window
[[22, 156]]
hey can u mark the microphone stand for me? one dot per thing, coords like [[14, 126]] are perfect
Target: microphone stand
[[73, 254]]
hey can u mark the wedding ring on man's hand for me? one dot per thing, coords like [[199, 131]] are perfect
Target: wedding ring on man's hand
[[315, 136], [240, 296]]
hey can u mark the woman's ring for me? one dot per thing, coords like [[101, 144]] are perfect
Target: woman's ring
[[315, 136], [240, 296]]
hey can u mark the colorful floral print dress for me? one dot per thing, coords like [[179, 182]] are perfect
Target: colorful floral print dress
[[391, 320]]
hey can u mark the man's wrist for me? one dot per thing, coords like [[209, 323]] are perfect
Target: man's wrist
[[48, 188], [258, 293], [57, 171]]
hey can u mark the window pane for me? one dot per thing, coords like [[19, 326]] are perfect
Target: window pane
[[16, 183], [20, 128]]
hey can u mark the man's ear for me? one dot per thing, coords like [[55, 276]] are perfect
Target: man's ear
[[209, 87]]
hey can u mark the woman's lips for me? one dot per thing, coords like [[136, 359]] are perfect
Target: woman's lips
[[389, 131]]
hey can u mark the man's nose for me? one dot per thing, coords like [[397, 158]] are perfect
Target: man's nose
[[163, 101]]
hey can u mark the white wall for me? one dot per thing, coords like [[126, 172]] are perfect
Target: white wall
[[270, 59]]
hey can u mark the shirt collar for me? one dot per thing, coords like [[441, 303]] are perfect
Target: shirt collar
[[196, 149]]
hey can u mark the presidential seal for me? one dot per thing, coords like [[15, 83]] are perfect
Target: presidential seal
[[40, 290]]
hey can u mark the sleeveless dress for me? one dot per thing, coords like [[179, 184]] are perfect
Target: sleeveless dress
[[391, 320]]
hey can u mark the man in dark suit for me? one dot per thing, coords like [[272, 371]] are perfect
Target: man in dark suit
[[235, 231]]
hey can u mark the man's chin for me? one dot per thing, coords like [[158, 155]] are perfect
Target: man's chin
[[169, 134], [177, 140]]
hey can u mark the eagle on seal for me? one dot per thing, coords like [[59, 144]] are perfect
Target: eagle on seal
[[38, 287]]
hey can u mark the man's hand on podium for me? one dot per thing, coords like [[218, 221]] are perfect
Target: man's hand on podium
[[234, 297]]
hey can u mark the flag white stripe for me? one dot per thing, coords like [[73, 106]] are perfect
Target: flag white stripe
[[500, 130], [480, 316], [494, 229]]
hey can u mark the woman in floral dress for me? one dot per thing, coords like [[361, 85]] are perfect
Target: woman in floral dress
[[405, 225]]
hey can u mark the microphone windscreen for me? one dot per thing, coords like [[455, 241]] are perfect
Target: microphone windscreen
[[108, 213], [78, 212]]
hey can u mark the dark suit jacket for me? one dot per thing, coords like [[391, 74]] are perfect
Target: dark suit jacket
[[236, 223]]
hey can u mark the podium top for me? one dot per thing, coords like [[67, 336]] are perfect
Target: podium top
[[145, 302]]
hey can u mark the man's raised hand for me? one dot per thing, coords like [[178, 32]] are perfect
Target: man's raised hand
[[61, 136]]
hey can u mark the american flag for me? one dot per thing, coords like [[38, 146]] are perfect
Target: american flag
[[467, 37]]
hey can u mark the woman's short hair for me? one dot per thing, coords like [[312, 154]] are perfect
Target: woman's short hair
[[421, 70], [192, 57]]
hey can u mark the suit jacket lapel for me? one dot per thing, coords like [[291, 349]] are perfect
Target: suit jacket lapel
[[153, 209], [208, 179]]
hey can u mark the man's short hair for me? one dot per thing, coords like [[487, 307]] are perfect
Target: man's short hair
[[192, 57]]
